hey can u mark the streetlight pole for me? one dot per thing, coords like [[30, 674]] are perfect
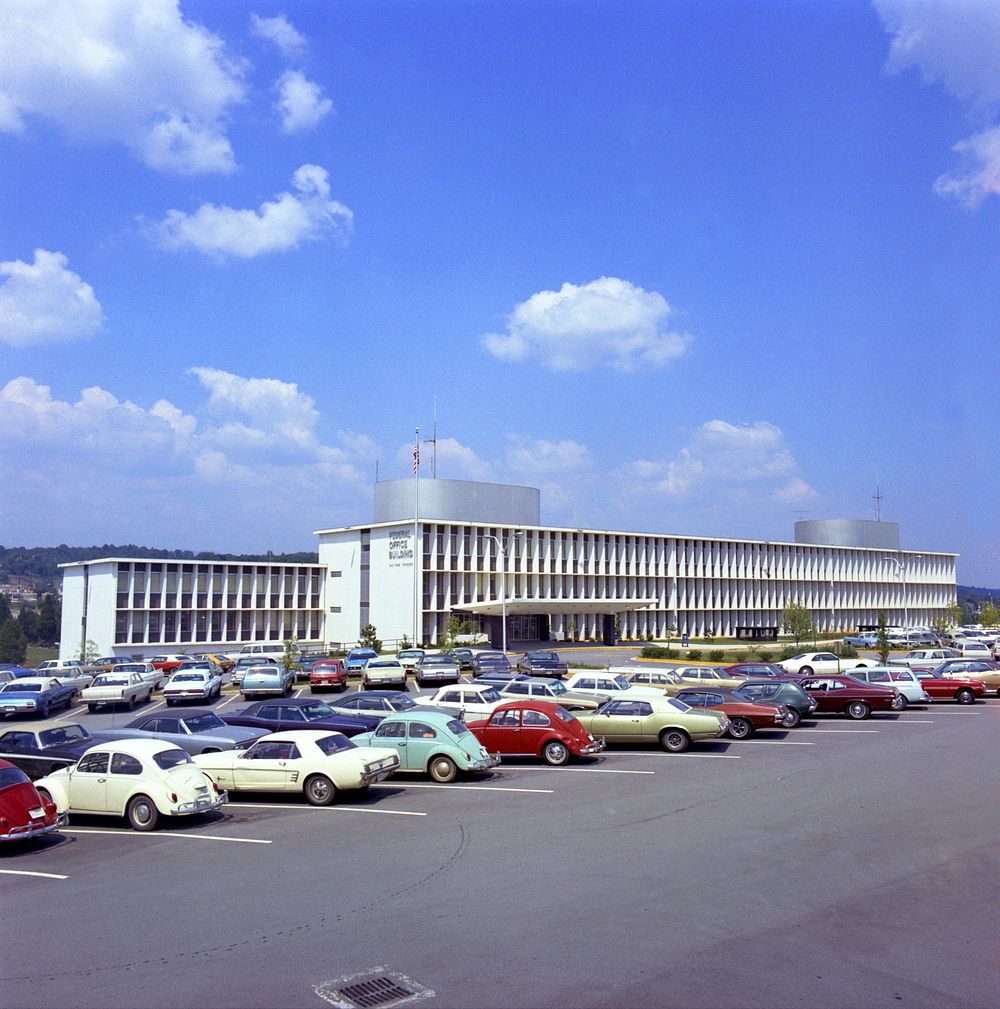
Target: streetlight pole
[[502, 550]]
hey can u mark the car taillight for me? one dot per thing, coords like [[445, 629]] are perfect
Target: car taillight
[[173, 796], [4, 822], [215, 786]]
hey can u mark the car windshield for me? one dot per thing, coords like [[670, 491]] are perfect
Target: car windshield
[[335, 743], [111, 681], [316, 710], [621, 683], [12, 776], [167, 759], [185, 677], [557, 687], [202, 723], [490, 694], [401, 702], [62, 736]]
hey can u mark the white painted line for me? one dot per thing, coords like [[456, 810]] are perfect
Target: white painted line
[[466, 788], [776, 742], [228, 700], [584, 770], [711, 756], [914, 721], [298, 693], [322, 809], [160, 833], [24, 872], [848, 731], [154, 707], [68, 713]]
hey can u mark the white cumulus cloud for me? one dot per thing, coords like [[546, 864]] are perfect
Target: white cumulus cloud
[[45, 302], [300, 102], [140, 74], [608, 321], [281, 32], [284, 223], [541, 457], [956, 43]]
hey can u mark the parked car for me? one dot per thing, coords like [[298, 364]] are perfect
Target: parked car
[[194, 730], [105, 663], [905, 680], [745, 717], [140, 779], [753, 670], [116, 688], [374, 702], [41, 751], [24, 812], [465, 657], [849, 696], [357, 657], [409, 657], [267, 681], [542, 663], [500, 677], [167, 663], [493, 662], [866, 640], [431, 742], [535, 728], [153, 675], [245, 662], [299, 713], [466, 699], [607, 685], [925, 658], [52, 667], [327, 674], [783, 693], [541, 689], [315, 763], [671, 723], [820, 664], [956, 686], [192, 683], [437, 669], [986, 672], [702, 676], [379, 672], [37, 696], [658, 678], [974, 650]]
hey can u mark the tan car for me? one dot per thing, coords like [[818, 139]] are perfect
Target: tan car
[[664, 720]]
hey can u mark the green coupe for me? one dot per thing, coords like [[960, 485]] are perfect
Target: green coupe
[[664, 720]]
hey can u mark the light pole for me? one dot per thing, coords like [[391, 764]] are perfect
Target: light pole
[[502, 551], [901, 570]]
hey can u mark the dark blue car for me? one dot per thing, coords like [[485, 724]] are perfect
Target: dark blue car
[[300, 713]]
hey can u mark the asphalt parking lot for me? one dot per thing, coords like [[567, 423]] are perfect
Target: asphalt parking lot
[[842, 863]]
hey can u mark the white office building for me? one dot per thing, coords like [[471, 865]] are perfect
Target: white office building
[[479, 551]]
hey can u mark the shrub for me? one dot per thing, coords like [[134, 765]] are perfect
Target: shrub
[[716, 655], [848, 652], [656, 652], [694, 655]]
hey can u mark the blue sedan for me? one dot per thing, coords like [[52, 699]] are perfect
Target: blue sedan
[[36, 695]]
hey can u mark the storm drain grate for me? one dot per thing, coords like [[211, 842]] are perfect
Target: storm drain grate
[[372, 989]]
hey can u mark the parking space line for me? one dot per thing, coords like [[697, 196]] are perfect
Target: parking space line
[[321, 809], [25, 872], [914, 721], [68, 713], [777, 742], [160, 833], [585, 770], [465, 788], [228, 700], [848, 731]]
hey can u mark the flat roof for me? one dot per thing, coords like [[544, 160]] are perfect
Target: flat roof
[[187, 560]]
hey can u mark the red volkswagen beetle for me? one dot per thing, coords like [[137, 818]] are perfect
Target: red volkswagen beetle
[[23, 812], [528, 728]]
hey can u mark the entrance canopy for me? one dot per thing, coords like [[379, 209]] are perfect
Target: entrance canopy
[[520, 604]]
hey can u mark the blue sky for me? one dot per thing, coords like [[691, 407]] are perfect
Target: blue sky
[[701, 267]]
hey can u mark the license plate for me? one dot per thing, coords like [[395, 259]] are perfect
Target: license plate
[[8, 710], [36, 814]]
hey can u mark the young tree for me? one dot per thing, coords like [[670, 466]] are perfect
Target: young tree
[[5, 610], [989, 615], [28, 621], [89, 652], [290, 655], [49, 620], [369, 639], [883, 638], [13, 644], [796, 621]]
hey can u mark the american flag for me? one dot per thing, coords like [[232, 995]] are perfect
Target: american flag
[[416, 457]]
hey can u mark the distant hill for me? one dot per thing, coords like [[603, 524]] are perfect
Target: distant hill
[[41, 564]]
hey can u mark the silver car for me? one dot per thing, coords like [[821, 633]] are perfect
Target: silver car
[[192, 730], [267, 681]]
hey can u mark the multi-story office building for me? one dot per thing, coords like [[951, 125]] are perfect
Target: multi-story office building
[[438, 548]]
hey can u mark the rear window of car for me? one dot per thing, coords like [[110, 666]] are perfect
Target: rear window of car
[[12, 776], [458, 728], [167, 759], [335, 743]]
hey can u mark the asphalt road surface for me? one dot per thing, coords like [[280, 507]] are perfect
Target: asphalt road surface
[[841, 864]]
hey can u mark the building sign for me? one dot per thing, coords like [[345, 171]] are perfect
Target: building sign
[[401, 548]]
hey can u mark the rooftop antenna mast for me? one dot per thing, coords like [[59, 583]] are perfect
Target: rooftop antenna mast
[[877, 497], [433, 440]]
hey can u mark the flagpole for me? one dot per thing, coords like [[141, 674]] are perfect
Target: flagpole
[[416, 530]]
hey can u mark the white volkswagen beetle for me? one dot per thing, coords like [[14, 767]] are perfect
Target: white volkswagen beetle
[[316, 762], [141, 779]]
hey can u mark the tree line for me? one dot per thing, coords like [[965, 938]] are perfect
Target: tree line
[[35, 624]]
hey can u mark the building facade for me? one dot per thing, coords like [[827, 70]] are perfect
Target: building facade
[[478, 551]]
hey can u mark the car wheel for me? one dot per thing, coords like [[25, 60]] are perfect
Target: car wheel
[[91, 708], [740, 728], [806, 671], [555, 753], [43, 711], [900, 703], [320, 790], [170, 702], [674, 740], [965, 696], [793, 718], [442, 769], [44, 792], [142, 813], [857, 710]]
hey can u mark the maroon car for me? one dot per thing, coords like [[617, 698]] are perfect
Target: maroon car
[[964, 689], [327, 674], [24, 813], [754, 669], [844, 695], [528, 728]]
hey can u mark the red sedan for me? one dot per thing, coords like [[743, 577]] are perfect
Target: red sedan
[[745, 717], [327, 674], [845, 695], [528, 728], [963, 689], [23, 812]]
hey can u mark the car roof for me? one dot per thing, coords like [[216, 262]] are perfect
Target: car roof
[[298, 735], [426, 715], [136, 747], [549, 707]]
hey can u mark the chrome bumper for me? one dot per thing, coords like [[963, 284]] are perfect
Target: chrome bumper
[[35, 829], [484, 763], [599, 743], [200, 805]]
